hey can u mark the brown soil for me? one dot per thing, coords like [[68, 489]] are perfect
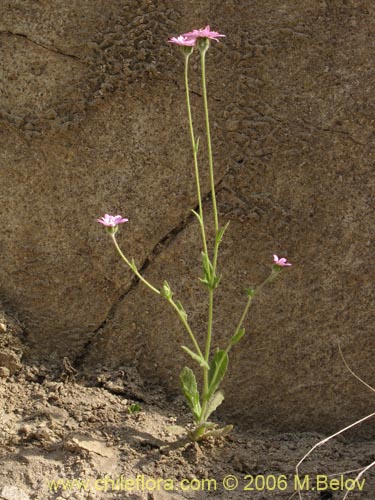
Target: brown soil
[[64, 425]]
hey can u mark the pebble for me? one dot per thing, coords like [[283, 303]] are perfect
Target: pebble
[[4, 372], [13, 493]]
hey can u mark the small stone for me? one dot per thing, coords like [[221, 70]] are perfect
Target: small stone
[[3, 327], [4, 372], [83, 442], [13, 493], [25, 430], [10, 360]]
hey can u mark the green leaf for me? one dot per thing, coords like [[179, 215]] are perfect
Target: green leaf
[[199, 431], [237, 336], [181, 309], [207, 269], [196, 146], [250, 292], [190, 390], [166, 291], [202, 362], [217, 433], [220, 233], [216, 281], [134, 408], [213, 403], [209, 277], [197, 216], [207, 265], [204, 281], [133, 265], [217, 371]]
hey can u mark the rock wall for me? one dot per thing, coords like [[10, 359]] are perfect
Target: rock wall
[[92, 120]]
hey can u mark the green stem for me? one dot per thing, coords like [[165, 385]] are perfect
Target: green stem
[[248, 304], [187, 326], [242, 319], [208, 133], [203, 50], [195, 153], [132, 267], [173, 304], [207, 350]]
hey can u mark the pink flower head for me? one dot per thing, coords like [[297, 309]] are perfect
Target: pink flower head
[[182, 40], [203, 33], [111, 220], [282, 262]]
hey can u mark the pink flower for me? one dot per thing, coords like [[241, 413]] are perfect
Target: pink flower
[[182, 40], [111, 220], [282, 262], [203, 33]]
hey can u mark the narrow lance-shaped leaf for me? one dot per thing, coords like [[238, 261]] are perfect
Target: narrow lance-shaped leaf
[[220, 233], [196, 146], [181, 309], [207, 269], [218, 368], [209, 277], [237, 336], [214, 402], [202, 362], [224, 431], [197, 216], [216, 281], [190, 390], [133, 265], [166, 290]]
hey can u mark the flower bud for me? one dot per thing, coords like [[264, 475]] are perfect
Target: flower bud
[[166, 291], [203, 44], [111, 229]]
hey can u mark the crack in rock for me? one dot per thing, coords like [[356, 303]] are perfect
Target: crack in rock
[[46, 47]]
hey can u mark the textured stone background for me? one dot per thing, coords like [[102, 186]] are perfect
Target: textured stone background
[[92, 120]]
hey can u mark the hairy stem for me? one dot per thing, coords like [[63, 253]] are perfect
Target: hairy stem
[[248, 304], [207, 351], [203, 50], [208, 133], [187, 326], [151, 287], [195, 153], [132, 267], [242, 319]]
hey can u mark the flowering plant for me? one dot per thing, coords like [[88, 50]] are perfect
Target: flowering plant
[[213, 366]]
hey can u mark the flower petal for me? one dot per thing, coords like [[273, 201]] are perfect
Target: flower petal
[[111, 221], [182, 40], [203, 33]]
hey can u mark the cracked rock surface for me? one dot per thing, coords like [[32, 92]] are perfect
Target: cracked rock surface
[[92, 120]]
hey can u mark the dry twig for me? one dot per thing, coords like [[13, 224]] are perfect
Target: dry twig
[[323, 441]]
